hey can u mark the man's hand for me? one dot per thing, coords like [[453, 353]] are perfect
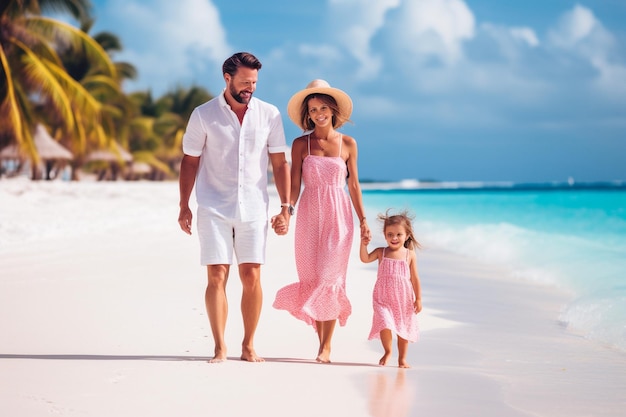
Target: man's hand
[[184, 219]]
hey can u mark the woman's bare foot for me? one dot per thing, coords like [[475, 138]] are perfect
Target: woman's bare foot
[[323, 356], [403, 364], [249, 355], [383, 361]]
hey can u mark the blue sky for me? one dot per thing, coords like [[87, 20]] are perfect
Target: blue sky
[[453, 90]]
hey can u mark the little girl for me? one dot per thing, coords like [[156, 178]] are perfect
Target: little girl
[[397, 294]]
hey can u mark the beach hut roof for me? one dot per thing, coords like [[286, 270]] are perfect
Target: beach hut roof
[[10, 152], [141, 168], [47, 147], [111, 155]]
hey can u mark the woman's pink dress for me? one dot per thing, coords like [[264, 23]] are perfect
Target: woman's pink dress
[[323, 241], [393, 300]]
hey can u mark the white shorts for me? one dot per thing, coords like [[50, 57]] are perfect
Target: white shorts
[[220, 236]]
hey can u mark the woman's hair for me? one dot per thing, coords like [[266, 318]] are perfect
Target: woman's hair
[[403, 219], [330, 101], [238, 60]]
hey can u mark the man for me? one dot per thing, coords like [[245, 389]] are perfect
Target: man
[[226, 147]]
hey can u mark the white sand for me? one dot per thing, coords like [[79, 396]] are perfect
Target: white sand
[[102, 314]]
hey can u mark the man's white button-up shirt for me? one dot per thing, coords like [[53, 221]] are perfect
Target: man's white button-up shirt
[[234, 157]]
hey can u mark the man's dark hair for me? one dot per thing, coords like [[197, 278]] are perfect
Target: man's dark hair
[[240, 59]]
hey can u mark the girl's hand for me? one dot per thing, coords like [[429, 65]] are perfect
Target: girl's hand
[[417, 305], [366, 236]]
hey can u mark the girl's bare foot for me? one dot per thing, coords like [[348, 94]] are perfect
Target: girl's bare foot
[[403, 364], [384, 359]]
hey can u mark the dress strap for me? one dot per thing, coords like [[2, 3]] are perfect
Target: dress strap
[[340, 143], [406, 258]]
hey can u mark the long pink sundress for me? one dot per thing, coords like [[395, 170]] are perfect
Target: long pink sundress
[[323, 240], [393, 300]]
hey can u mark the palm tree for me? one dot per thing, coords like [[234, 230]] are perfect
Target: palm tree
[[34, 77], [143, 139], [173, 111], [117, 108], [156, 132]]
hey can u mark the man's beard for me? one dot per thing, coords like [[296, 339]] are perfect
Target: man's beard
[[237, 96]]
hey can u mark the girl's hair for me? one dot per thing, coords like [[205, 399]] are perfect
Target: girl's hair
[[330, 101], [403, 219]]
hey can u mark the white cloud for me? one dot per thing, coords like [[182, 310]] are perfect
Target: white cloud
[[168, 40], [581, 34], [356, 23], [612, 80], [435, 28], [574, 26], [508, 45], [526, 35]]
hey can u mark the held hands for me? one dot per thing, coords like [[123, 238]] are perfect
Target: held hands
[[280, 224], [366, 235]]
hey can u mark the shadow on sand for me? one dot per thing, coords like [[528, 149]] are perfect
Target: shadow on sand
[[85, 357]]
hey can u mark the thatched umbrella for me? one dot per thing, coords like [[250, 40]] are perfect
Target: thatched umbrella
[[10, 152], [114, 158], [48, 149], [117, 154]]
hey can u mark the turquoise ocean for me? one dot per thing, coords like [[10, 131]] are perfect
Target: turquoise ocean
[[566, 235]]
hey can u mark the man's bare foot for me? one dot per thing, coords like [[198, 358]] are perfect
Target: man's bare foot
[[323, 356], [249, 355], [403, 364], [384, 359], [220, 356]]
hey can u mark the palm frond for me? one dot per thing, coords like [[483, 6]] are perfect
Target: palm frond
[[149, 158], [126, 71], [10, 120], [81, 98], [79, 9], [101, 85], [65, 35], [40, 72], [109, 41]]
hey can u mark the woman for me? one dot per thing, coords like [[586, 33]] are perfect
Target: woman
[[322, 160]]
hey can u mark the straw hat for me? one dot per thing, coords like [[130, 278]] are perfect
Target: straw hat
[[318, 86]]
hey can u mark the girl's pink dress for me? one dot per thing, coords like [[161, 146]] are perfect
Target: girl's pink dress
[[323, 240], [393, 300]]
